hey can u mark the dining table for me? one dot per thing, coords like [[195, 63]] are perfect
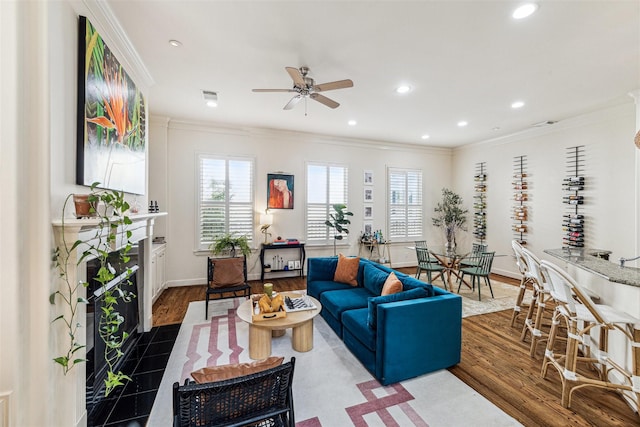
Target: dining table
[[450, 259]]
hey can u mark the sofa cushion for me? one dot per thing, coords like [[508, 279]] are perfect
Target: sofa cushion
[[322, 268], [337, 302], [355, 321], [225, 372], [409, 282], [317, 287], [347, 270], [373, 278], [400, 296], [392, 285]]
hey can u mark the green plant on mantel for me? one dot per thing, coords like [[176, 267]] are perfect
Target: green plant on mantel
[[108, 209], [228, 242]]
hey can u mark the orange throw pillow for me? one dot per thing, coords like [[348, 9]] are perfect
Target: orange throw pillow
[[392, 285], [224, 372], [347, 270]]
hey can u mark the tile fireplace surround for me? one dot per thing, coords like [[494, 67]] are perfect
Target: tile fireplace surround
[[71, 387]]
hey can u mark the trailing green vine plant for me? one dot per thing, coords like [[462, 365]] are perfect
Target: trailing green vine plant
[[108, 207]]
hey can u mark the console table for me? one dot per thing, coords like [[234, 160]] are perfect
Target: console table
[[274, 269]]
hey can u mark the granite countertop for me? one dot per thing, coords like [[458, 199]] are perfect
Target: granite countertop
[[586, 259]]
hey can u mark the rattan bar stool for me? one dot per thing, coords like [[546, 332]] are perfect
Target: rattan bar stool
[[580, 315], [541, 304], [526, 284]]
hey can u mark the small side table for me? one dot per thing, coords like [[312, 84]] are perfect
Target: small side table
[[376, 251], [301, 253]]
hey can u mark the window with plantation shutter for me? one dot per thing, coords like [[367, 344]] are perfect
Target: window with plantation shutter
[[225, 198], [326, 186], [404, 204]]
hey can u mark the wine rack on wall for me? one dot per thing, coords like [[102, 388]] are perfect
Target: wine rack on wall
[[480, 202], [520, 198], [573, 187]]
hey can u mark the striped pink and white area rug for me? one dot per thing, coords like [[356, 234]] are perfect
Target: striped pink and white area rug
[[331, 388]]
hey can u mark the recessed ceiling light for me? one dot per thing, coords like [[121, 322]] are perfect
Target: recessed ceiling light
[[462, 123], [175, 43], [495, 128], [352, 123], [403, 89], [517, 104], [210, 98], [425, 136], [524, 10]]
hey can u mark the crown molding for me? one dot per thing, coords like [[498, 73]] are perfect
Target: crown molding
[[281, 134], [104, 19]]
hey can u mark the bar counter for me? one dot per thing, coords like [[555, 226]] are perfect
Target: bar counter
[[588, 259]]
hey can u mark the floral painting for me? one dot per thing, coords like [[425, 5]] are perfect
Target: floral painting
[[111, 119]]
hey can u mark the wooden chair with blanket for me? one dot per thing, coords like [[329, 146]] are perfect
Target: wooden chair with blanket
[[261, 398], [226, 278]]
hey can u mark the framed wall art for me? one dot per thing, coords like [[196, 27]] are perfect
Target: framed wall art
[[111, 118], [368, 212], [368, 177], [280, 191], [368, 194]]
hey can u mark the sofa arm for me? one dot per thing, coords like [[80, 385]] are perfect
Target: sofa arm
[[418, 336]]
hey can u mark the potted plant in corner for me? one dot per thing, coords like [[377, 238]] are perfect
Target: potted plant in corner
[[338, 222], [108, 209], [227, 244], [450, 216]]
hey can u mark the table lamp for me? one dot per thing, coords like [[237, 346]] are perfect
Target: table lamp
[[266, 220]]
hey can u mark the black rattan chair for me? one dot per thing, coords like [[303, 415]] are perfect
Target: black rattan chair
[[261, 399], [233, 290]]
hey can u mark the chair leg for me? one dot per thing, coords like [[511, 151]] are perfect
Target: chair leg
[[486, 279], [517, 308], [418, 271], [528, 320], [429, 276], [474, 279], [206, 307], [460, 281]]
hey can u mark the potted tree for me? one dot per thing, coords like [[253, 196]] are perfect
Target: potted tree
[[339, 222], [450, 216]]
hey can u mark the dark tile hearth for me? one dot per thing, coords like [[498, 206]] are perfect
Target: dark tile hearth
[[131, 405]]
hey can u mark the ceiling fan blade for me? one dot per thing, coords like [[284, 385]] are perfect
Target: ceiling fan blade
[[296, 76], [324, 100], [292, 103], [340, 84], [273, 90]]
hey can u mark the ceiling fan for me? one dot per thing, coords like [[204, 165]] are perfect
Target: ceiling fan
[[305, 87]]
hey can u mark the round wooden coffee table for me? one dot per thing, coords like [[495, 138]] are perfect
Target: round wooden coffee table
[[260, 333]]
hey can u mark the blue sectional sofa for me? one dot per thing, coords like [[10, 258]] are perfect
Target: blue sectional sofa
[[396, 336]]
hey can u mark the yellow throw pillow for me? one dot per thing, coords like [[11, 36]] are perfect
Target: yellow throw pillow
[[347, 270], [224, 372], [392, 285]]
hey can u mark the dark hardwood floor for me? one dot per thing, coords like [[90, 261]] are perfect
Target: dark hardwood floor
[[494, 362]]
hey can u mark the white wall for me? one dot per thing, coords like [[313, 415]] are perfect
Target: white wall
[[288, 152], [610, 183]]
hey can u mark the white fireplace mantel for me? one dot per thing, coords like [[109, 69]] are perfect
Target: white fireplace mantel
[[70, 230]]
